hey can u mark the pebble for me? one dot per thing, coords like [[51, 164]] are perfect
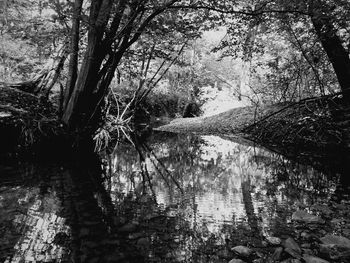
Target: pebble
[[242, 251]]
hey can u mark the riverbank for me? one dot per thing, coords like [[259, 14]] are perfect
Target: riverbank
[[28, 124], [226, 123], [321, 123]]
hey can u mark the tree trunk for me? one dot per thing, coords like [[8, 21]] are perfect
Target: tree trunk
[[332, 44], [74, 50], [107, 43], [79, 108]]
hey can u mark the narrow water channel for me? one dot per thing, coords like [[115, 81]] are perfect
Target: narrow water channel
[[162, 198]]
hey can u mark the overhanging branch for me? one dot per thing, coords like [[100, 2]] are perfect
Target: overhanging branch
[[238, 12]]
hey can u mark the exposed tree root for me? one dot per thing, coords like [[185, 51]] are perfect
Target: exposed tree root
[[25, 121]]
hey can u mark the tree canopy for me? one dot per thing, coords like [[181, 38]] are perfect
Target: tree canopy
[[271, 50]]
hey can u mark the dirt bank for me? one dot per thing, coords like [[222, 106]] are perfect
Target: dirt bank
[[227, 123], [322, 123]]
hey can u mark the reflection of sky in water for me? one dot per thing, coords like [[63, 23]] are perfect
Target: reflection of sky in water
[[38, 226], [213, 182]]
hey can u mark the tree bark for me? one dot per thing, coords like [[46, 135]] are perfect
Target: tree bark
[[332, 44], [74, 51], [78, 109], [102, 57]]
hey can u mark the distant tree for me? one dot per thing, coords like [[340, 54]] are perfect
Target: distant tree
[[328, 21]]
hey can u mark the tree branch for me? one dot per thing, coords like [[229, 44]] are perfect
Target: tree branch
[[238, 12]]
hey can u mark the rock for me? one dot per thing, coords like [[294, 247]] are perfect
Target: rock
[[305, 217], [128, 228], [224, 253], [305, 235], [264, 243], [312, 259], [306, 245], [143, 242], [236, 260], [277, 255], [242, 251], [307, 251], [335, 247], [293, 253], [137, 235], [324, 209], [346, 232], [292, 248], [274, 240], [336, 221], [338, 241], [291, 260]]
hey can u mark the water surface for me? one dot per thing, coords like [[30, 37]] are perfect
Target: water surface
[[163, 198]]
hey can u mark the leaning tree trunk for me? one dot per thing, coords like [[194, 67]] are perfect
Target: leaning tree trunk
[[107, 42], [79, 109], [332, 44]]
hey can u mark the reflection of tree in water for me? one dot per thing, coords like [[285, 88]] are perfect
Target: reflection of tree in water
[[289, 186], [178, 197], [30, 216]]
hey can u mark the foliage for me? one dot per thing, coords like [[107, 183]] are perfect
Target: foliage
[[30, 34], [264, 51]]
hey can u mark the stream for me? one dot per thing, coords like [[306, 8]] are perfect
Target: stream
[[171, 198]]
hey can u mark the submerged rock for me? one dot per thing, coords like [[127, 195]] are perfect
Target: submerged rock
[[243, 251], [312, 259], [274, 240], [128, 228], [143, 242], [277, 255], [236, 260], [324, 209], [338, 241], [291, 260], [305, 217], [292, 248], [335, 247], [225, 253]]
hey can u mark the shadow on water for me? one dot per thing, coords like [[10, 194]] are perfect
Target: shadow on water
[[166, 198]]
